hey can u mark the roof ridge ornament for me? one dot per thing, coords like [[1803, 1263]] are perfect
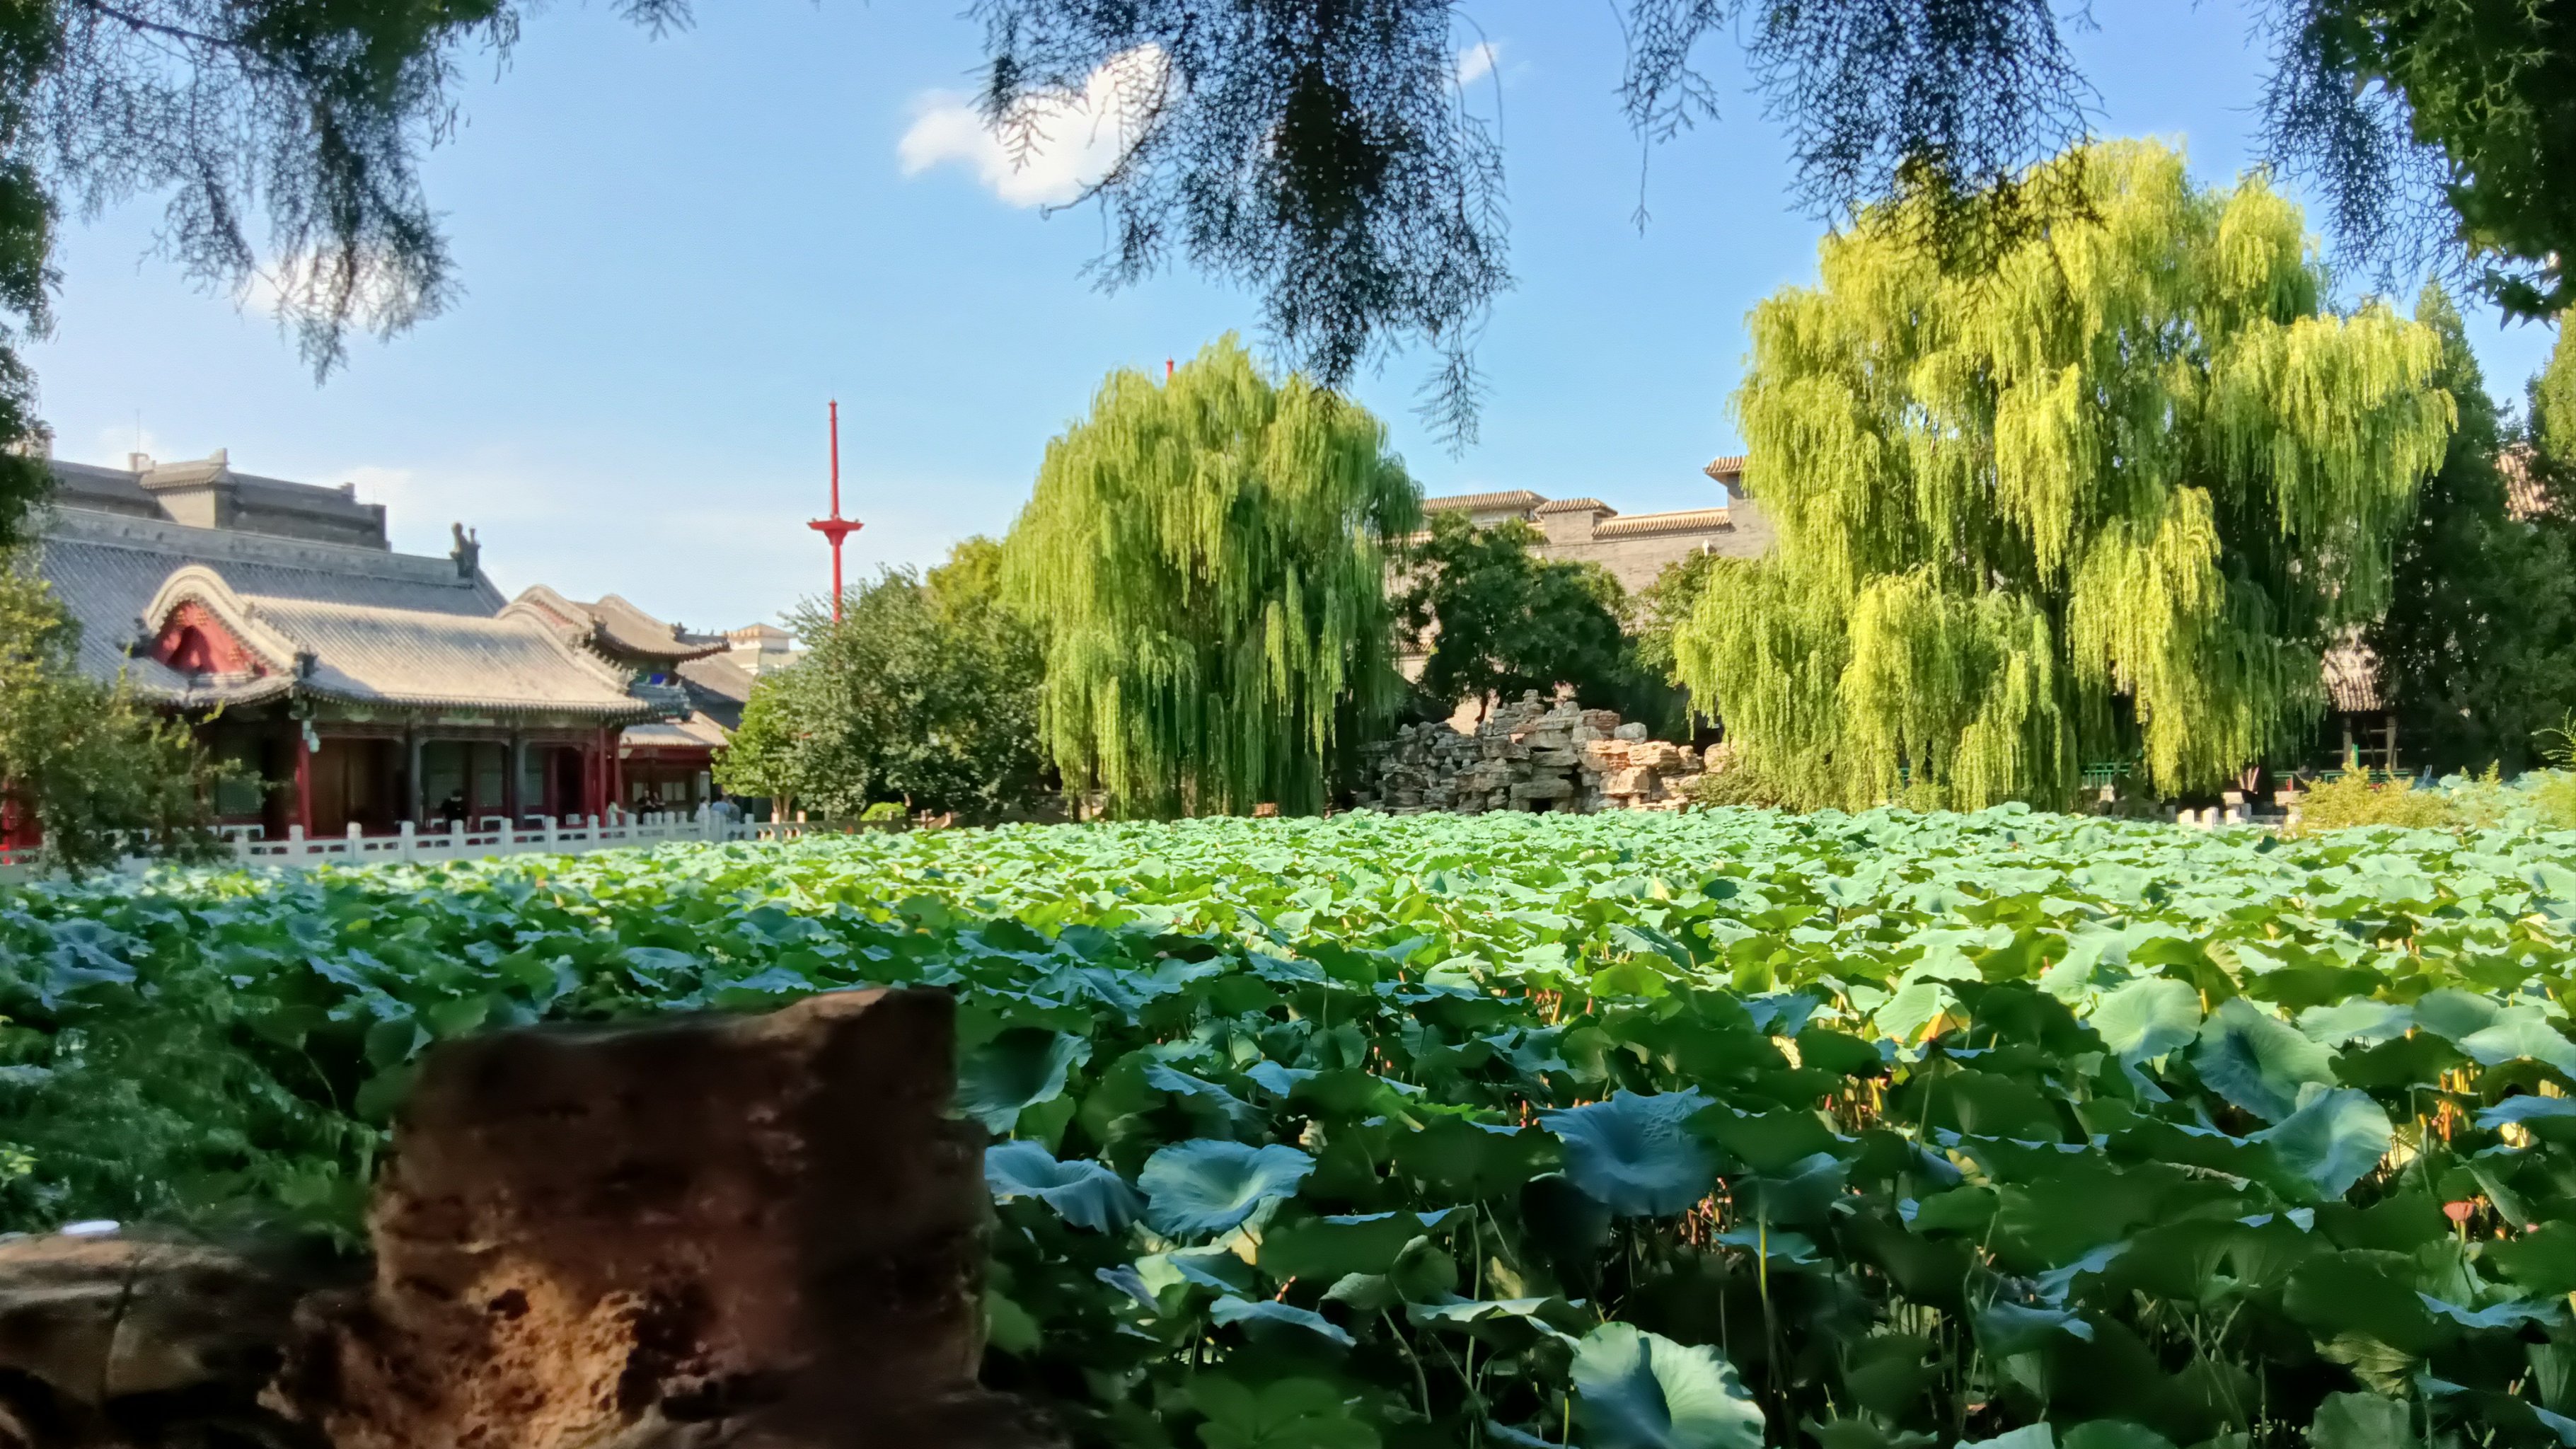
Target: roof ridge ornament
[[467, 552]]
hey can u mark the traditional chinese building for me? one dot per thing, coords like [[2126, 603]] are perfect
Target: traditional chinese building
[[358, 686], [666, 763]]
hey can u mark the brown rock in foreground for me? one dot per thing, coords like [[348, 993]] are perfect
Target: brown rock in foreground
[[114, 1341], [755, 1231]]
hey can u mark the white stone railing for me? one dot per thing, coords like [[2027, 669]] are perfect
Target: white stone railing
[[459, 840]]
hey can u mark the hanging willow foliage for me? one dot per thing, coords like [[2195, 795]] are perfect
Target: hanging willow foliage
[[1209, 557], [2107, 500]]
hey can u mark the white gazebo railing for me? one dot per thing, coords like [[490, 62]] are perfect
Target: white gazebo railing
[[460, 840]]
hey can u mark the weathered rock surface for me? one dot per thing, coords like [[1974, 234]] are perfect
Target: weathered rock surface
[[757, 1231], [112, 1341], [761, 1232]]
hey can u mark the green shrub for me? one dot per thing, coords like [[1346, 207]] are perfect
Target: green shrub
[[2352, 799]]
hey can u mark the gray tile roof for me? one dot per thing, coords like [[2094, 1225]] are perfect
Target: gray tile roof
[[375, 627], [626, 627], [208, 493], [2352, 678], [621, 631], [112, 490], [1688, 520], [107, 567], [694, 733], [1517, 498], [511, 662], [718, 688]]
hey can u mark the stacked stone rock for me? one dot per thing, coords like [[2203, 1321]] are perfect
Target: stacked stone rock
[[1531, 756]]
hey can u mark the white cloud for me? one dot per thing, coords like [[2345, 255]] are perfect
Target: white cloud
[[1478, 61], [1078, 138]]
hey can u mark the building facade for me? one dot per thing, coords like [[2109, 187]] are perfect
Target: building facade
[[667, 763], [356, 686], [1635, 548]]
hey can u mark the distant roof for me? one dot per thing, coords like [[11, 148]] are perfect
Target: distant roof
[[1576, 505], [1728, 470], [207, 493], [697, 732], [513, 661], [620, 630], [2352, 678], [717, 688], [1688, 520], [2525, 496], [1519, 498], [633, 631], [717, 676], [106, 568]]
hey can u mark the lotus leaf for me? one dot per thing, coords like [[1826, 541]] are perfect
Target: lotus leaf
[[1639, 1390], [1634, 1155], [1084, 1194], [1206, 1186]]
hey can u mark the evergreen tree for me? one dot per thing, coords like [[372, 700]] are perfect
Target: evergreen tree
[[1208, 556], [1503, 621], [2553, 413], [2477, 653], [2111, 496], [1655, 617]]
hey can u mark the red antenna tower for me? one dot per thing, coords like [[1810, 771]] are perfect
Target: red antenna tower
[[836, 528]]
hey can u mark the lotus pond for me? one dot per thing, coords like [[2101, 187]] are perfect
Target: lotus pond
[[1640, 1132]]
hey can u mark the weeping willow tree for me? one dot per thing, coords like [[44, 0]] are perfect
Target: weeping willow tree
[[1208, 555], [2107, 500]]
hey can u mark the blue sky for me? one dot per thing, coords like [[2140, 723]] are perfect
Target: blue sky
[[673, 251]]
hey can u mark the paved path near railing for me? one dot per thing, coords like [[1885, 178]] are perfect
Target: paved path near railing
[[459, 841]]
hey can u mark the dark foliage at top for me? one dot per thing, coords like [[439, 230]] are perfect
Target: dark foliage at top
[[2443, 130], [286, 135], [1325, 155], [1320, 153]]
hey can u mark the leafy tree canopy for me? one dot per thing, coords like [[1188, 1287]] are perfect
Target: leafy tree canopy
[[2553, 410], [925, 693], [2112, 497], [1660, 609], [1326, 156], [1209, 556], [2399, 106], [102, 774], [1502, 621], [2477, 652], [284, 135]]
